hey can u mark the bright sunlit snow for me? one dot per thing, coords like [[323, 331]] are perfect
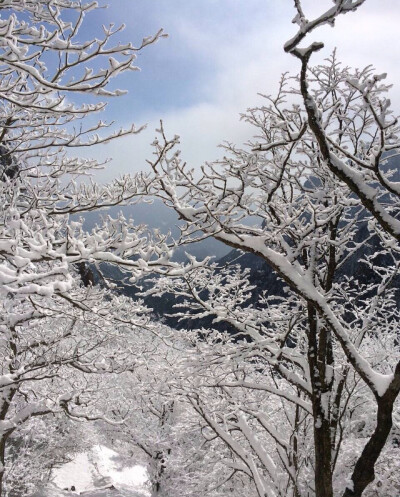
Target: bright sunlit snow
[[98, 468]]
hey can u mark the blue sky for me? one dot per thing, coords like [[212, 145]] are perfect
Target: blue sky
[[218, 55]]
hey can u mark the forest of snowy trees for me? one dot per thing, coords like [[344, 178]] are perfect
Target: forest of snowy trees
[[281, 386]]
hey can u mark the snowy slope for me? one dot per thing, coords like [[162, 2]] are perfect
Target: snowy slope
[[93, 473], [53, 491]]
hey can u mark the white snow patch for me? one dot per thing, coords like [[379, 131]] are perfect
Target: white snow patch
[[77, 472], [108, 465], [87, 471]]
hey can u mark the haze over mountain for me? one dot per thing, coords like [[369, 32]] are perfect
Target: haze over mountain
[[157, 216]]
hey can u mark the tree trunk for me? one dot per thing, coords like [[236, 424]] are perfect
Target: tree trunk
[[318, 356], [158, 471], [364, 470], [7, 397], [2, 461], [323, 459], [160, 456]]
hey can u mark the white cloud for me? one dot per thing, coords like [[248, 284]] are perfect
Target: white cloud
[[201, 128], [250, 61]]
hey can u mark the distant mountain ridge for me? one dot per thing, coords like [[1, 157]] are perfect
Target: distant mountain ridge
[[261, 275], [157, 216]]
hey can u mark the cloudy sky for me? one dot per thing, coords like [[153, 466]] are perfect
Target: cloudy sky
[[218, 56]]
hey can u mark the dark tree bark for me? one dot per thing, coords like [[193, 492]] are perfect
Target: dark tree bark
[[85, 273], [4, 408], [318, 356], [364, 470], [2, 462], [160, 456]]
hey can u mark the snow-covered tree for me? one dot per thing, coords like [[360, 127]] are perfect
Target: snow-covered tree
[[160, 431], [54, 323], [38, 447], [319, 178]]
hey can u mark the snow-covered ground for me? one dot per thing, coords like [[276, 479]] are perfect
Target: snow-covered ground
[[91, 472], [53, 491]]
